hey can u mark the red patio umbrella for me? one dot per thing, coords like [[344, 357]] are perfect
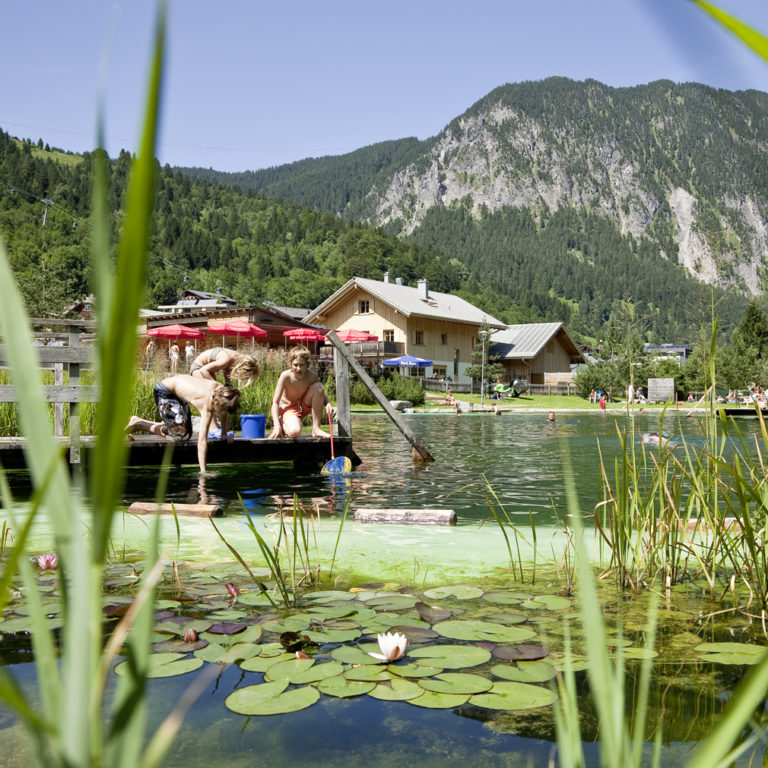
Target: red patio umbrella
[[350, 334], [304, 334], [175, 332], [236, 328]]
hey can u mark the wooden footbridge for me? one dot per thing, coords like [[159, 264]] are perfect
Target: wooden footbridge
[[75, 353]]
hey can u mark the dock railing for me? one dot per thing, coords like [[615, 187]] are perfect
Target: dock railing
[[63, 351]]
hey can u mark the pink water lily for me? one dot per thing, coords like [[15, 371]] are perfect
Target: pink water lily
[[191, 636], [392, 646], [233, 591], [48, 562]]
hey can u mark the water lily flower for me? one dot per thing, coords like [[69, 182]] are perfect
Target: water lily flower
[[233, 590], [392, 646], [191, 636], [302, 655], [48, 562]]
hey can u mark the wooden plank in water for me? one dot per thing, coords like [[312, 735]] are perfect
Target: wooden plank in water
[[428, 516], [188, 510]]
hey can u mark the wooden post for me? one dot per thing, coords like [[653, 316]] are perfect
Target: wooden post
[[74, 408], [58, 408], [343, 414], [341, 351]]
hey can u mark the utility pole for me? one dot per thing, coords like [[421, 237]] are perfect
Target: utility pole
[[483, 336], [46, 203]]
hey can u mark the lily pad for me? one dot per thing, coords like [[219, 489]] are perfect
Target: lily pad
[[251, 634], [318, 672], [414, 670], [548, 602], [457, 682], [458, 629], [262, 663], [506, 618], [326, 612], [288, 624], [432, 613], [341, 688], [460, 592], [433, 700], [397, 689], [177, 645], [415, 634], [574, 664], [523, 652], [226, 628], [255, 599], [333, 635], [729, 653], [514, 697], [450, 656], [367, 674], [270, 699], [505, 598], [270, 650], [525, 671], [227, 654], [350, 654], [392, 602], [639, 653], [165, 665], [328, 595], [288, 669]]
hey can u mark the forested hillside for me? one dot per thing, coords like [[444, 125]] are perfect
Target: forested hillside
[[206, 236], [629, 190], [553, 201]]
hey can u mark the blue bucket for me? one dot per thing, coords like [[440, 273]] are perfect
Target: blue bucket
[[253, 425]]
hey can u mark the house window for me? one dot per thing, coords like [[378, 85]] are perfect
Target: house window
[[443, 338], [365, 307], [389, 335], [439, 371], [418, 338]]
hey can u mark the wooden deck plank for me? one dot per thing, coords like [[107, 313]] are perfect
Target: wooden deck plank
[[148, 450]]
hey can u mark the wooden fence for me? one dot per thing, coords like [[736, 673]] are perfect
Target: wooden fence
[[67, 351]]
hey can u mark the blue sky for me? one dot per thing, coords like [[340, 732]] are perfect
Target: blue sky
[[255, 83]]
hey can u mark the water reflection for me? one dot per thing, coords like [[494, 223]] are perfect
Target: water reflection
[[523, 457]]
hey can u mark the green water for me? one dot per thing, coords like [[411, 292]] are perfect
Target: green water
[[525, 460]]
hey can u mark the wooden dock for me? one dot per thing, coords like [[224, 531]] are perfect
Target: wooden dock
[[306, 453]]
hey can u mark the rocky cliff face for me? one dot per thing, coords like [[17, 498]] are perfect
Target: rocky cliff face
[[646, 178]]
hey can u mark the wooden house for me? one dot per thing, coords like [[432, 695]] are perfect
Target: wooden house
[[542, 353], [415, 321]]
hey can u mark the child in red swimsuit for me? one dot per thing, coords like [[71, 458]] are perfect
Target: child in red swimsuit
[[298, 393]]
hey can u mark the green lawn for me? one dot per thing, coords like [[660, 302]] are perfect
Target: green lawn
[[534, 402]]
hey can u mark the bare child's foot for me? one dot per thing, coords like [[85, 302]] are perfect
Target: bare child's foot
[[319, 433], [132, 422]]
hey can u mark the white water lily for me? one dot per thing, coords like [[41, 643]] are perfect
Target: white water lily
[[392, 646]]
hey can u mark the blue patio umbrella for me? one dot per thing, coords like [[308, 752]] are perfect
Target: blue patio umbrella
[[407, 361]]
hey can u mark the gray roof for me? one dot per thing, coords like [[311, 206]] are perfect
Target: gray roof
[[525, 341], [405, 299]]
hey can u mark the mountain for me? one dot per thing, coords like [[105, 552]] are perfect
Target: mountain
[[672, 176]]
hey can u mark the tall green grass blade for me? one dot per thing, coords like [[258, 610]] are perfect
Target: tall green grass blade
[[749, 36], [117, 337]]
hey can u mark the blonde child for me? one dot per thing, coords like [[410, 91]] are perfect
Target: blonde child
[[298, 393], [233, 365]]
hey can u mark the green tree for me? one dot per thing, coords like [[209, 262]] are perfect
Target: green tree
[[483, 362]]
